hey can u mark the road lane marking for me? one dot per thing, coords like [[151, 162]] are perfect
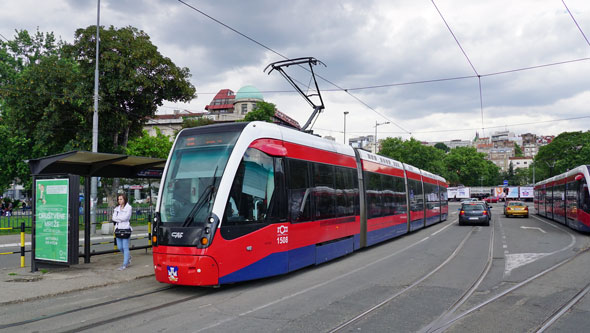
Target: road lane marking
[[534, 228]]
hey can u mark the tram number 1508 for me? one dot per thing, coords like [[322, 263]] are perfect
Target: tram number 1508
[[283, 240]]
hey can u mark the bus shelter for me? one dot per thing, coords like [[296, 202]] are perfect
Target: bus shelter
[[56, 183]]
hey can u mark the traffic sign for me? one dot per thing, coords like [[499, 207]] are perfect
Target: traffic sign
[[505, 182]]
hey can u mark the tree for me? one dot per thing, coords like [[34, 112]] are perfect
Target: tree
[[43, 112], [442, 147], [134, 80], [464, 165], [414, 153], [567, 151], [150, 146], [517, 150], [196, 122], [263, 111]]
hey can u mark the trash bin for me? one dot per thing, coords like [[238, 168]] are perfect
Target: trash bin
[[106, 228]]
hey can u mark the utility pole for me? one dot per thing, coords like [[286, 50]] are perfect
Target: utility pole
[[345, 113], [377, 124], [93, 181]]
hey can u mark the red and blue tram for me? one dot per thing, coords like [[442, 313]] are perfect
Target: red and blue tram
[[243, 201], [565, 198]]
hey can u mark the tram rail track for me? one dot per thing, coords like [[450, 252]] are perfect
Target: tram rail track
[[403, 291], [443, 317], [109, 303], [561, 311]]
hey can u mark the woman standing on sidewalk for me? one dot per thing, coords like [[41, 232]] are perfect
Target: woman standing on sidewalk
[[121, 217]]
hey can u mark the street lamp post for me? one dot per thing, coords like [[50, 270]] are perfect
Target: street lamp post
[[377, 124], [345, 113], [93, 180]]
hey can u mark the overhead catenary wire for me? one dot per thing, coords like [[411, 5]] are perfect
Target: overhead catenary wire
[[468, 60], [464, 129], [576, 22], [285, 57]]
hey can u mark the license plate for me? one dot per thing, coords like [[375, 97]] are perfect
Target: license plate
[[474, 218]]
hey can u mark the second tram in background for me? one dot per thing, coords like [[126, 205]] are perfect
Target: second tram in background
[[565, 198], [244, 201]]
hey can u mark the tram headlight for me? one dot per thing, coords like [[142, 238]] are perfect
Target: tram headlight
[[204, 241], [211, 219], [154, 239]]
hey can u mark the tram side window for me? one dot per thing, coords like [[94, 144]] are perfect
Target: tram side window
[[323, 193], [387, 195], [299, 191], [345, 191], [253, 190], [416, 197], [584, 197], [354, 190], [373, 194], [400, 195]]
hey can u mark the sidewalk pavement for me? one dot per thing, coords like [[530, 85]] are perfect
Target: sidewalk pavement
[[21, 285]]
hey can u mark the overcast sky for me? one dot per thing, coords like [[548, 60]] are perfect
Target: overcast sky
[[387, 43]]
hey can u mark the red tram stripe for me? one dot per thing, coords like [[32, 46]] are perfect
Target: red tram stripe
[[317, 155], [383, 169], [308, 153]]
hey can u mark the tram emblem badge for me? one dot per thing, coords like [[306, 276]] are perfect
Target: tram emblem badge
[[282, 234], [173, 273]]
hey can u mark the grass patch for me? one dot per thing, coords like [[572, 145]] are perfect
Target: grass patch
[[12, 274]]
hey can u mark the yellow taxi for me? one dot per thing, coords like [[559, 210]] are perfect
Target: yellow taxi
[[516, 208]]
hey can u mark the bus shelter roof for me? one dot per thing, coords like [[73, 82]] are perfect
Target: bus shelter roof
[[89, 164]]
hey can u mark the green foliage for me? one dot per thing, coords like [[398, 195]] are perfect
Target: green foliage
[[442, 147], [263, 112], [196, 122], [414, 153], [517, 150], [464, 165], [567, 151], [134, 80], [47, 88], [150, 146]]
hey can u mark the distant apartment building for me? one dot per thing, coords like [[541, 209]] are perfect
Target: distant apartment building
[[362, 142], [520, 162], [501, 157], [451, 144], [169, 124], [224, 107]]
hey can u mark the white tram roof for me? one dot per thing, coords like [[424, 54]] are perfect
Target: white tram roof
[[583, 169], [263, 130], [259, 129], [386, 161]]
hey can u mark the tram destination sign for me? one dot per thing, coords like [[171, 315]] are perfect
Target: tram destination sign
[[51, 219]]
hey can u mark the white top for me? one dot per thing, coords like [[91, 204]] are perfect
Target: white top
[[121, 217]]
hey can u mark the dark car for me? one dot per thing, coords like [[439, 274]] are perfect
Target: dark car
[[474, 213]]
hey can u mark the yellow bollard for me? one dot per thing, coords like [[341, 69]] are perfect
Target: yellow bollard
[[22, 244], [149, 233]]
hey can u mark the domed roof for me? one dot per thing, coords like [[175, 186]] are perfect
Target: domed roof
[[248, 92]]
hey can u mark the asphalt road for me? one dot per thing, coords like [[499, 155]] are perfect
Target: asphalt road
[[511, 276]]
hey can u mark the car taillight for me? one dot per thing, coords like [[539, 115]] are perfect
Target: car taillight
[[507, 208], [485, 212], [526, 208], [462, 212]]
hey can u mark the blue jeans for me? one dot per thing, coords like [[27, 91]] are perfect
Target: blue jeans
[[123, 246]]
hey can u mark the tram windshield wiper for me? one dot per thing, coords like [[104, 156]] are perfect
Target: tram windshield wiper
[[205, 197]]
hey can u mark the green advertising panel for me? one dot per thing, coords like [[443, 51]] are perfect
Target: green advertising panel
[[51, 226]]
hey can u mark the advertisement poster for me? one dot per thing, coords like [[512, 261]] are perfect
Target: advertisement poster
[[526, 192], [51, 213], [512, 192]]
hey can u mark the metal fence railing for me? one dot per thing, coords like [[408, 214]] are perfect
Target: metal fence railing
[[139, 216]]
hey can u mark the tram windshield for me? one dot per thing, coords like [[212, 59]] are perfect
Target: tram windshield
[[193, 175]]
